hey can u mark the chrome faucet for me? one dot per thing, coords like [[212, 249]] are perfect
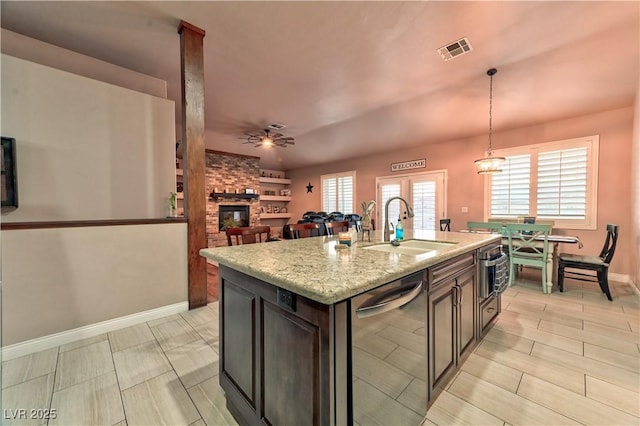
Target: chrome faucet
[[386, 215]]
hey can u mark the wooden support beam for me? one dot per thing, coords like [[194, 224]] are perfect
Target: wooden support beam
[[192, 72]]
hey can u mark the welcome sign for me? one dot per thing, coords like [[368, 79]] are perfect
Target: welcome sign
[[406, 165]]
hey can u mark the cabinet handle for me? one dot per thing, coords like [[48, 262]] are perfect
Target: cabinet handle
[[490, 310], [461, 295], [384, 302]]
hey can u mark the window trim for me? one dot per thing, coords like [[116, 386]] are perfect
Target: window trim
[[592, 143], [352, 174]]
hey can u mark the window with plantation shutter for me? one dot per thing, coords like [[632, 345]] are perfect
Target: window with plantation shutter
[[338, 191], [554, 181], [562, 183], [510, 189]]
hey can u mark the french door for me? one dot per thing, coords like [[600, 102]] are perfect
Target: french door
[[425, 193]]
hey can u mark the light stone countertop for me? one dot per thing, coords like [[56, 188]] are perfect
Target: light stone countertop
[[314, 268]]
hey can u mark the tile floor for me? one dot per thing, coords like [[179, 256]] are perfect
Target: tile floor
[[563, 358]]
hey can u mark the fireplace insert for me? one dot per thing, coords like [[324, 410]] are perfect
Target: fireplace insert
[[232, 216]]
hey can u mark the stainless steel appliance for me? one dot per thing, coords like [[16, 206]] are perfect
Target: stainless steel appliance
[[493, 276], [493, 279], [388, 360]]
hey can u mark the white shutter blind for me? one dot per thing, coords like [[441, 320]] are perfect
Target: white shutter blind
[[510, 188], [345, 194], [329, 194], [562, 183], [389, 191], [424, 205], [338, 192]]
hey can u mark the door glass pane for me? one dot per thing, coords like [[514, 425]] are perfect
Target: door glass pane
[[388, 191], [424, 205]]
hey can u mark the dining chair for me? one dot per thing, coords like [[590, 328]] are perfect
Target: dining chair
[[338, 226], [495, 227], [248, 235], [528, 246], [303, 230], [598, 264], [445, 225]]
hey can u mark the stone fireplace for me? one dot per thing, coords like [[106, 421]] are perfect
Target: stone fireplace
[[230, 173], [232, 216]]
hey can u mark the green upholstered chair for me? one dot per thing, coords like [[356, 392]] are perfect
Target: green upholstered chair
[[528, 246]]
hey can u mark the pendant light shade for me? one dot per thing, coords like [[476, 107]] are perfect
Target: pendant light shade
[[489, 164]]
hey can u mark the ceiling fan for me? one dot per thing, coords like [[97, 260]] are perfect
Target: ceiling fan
[[267, 139]]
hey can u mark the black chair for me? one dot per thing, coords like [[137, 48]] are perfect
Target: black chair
[[445, 225], [598, 264]]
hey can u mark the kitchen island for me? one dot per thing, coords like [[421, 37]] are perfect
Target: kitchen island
[[288, 331]]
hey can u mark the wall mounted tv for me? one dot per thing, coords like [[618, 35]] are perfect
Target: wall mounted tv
[[9, 174]]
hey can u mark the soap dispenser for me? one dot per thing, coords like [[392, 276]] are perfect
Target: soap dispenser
[[399, 230]]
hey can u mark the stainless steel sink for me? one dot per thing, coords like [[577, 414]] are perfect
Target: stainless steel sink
[[411, 247]]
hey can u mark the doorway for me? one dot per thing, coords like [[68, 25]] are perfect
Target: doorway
[[425, 193]]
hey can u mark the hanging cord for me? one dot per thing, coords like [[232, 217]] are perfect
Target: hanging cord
[[490, 73]]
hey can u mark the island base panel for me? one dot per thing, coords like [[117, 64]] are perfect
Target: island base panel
[[274, 363]]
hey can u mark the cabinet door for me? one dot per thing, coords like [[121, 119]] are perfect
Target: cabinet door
[[466, 312], [442, 333], [291, 377], [237, 339]]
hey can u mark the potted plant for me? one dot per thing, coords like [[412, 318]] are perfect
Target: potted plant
[[173, 204]]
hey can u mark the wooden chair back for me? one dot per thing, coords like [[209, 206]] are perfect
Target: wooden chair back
[[445, 225], [338, 226], [304, 230], [495, 227], [248, 235], [528, 246]]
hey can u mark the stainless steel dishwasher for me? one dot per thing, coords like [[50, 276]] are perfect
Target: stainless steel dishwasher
[[388, 359]]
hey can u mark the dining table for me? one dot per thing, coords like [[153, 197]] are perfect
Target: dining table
[[552, 257]]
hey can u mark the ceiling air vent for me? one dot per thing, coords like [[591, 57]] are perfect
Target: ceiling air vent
[[457, 48], [276, 126]]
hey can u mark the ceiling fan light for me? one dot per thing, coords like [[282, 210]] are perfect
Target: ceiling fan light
[[267, 142]]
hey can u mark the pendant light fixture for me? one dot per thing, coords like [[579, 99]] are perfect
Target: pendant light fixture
[[489, 164]]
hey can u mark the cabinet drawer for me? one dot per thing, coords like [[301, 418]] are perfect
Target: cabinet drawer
[[450, 268], [488, 311]]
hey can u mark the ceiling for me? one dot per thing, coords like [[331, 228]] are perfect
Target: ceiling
[[350, 79]]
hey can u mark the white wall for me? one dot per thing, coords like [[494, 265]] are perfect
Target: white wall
[[85, 149], [60, 279]]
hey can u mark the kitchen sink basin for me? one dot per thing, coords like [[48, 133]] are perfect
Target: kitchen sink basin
[[411, 247]]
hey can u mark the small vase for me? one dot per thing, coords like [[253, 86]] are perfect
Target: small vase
[[366, 221], [172, 212]]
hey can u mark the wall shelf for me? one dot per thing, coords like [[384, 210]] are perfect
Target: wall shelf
[[275, 180], [275, 215], [275, 198], [232, 195]]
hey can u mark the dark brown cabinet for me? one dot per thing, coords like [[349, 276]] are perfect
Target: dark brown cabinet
[[274, 360], [451, 319], [286, 359]]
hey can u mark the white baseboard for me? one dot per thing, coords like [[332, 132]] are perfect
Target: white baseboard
[[64, 337], [621, 278]]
